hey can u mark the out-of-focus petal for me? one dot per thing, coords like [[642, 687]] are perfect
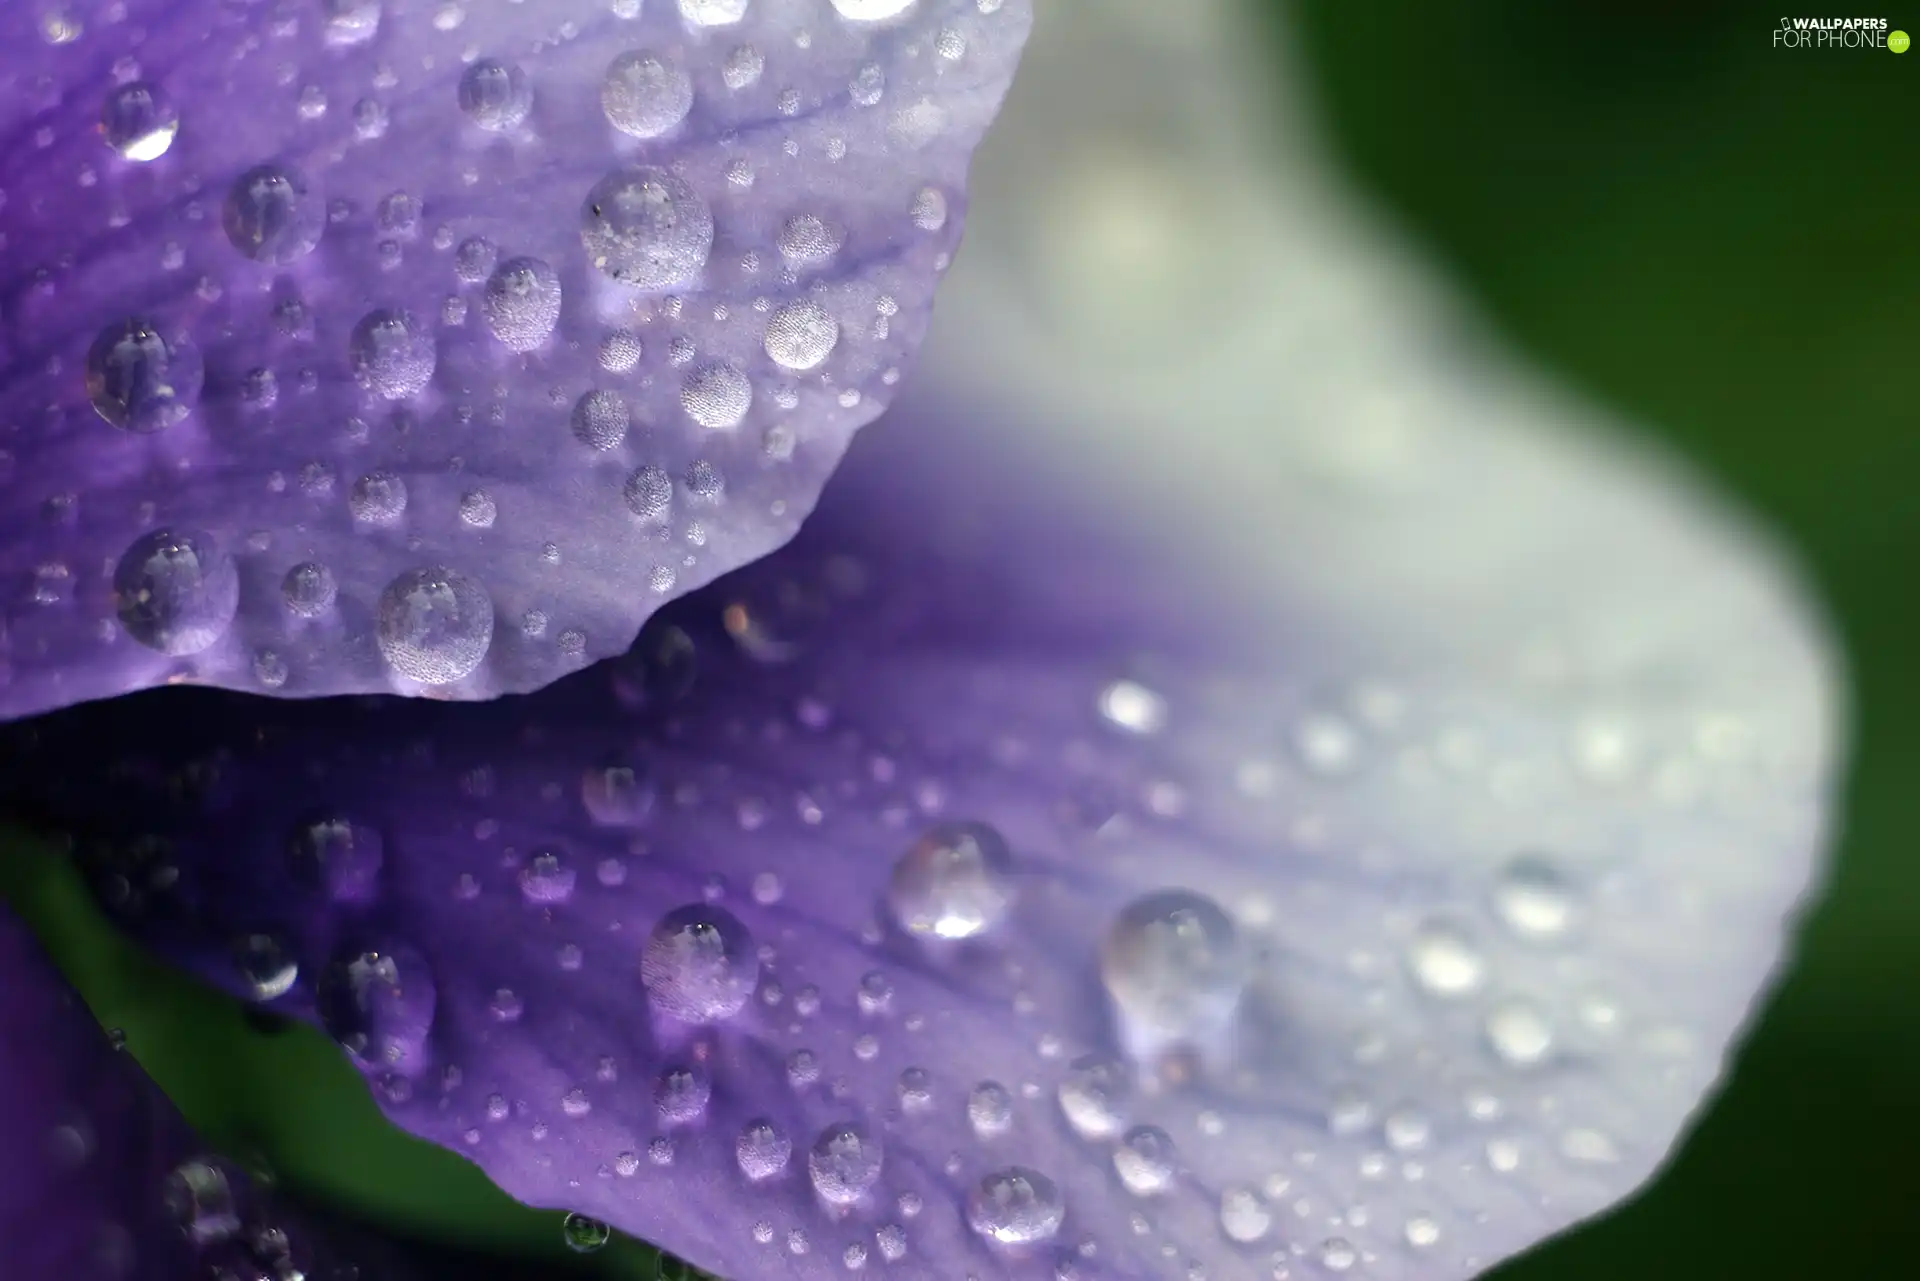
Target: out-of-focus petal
[[103, 1181], [1393, 798], [393, 344]]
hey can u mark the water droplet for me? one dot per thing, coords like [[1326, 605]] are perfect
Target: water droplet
[[200, 1197], [1533, 899], [1093, 1096], [1338, 1255], [717, 396], [474, 259], [584, 1235], [309, 589], [546, 879], [645, 95], [616, 794], [522, 303], [990, 1109], [1174, 969], [762, 1150], [266, 967], [1144, 1160], [176, 592], [600, 419], [273, 215], [1422, 1231], [1015, 1206], [333, 855], [495, 95], [647, 228], [871, 10], [1519, 1033], [620, 351], [648, 493], [392, 355], [379, 1004], [699, 964], [477, 509], [681, 1095], [139, 121], [844, 1164], [1444, 961], [435, 625], [1133, 707], [351, 22], [1244, 1217], [955, 882], [743, 68], [141, 377], [929, 209], [713, 13], [801, 335], [807, 241], [378, 498]]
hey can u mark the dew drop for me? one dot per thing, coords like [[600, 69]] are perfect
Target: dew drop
[[378, 498], [273, 215], [699, 964], [844, 1164], [1519, 1033], [681, 1095], [379, 1004], [871, 10], [645, 95], [309, 590], [647, 228], [717, 396], [265, 966], [200, 1197], [955, 882], [1144, 1160], [1174, 969], [600, 419], [1533, 899], [648, 493], [522, 303], [929, 209], [989, 1109], [762, 1150], [584, 1235], [334, 856], [495, 95], [1015, 1207], [435, 625], [176, 592], [807, 241], [139, 121], [713, 13], [1093, 1097], [546, 879], [142, 378], [392, 355], [801, 335], [1244, 1217], [1444, 962]]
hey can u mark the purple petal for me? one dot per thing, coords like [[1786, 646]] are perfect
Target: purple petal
[[976, 887], [103, 1181], [388, 344]]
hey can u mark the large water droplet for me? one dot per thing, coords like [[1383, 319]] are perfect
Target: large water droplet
[[435, 625], [584, 1235], [176, 592], [1174, 968], [647, 228], [844, 1164], [1093, 1097], [273, 215], [522, 303], [801, 335], [265, 966], [953, 883], [392, 355], [645, 95], [600, 419], [1144, 1160], [699, 964], [717, 396], [495, 95], [1444, 961], [762, 1150], [143, 378], [337, 857], [379, 1003], [1533, 899], [1015, 1207], [139, 121]]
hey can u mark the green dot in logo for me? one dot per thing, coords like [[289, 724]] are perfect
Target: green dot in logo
[[1897, 41]]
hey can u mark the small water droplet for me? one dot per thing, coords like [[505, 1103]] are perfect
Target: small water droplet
[[1144, 1160], [1015, 1207], [1519, 1033], [332, 855], [1093, 1097], [495, 95], [392, 354], [1444, 962], [762, 1150], [844, 1164], [1244, 1217], [522, 303], [645, 95], [1534, 900]]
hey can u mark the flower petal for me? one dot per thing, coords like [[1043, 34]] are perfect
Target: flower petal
[[103, 1180], [1392, 802], [383, 344]]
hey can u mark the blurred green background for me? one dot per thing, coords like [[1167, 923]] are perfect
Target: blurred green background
[[1722, 240], [1714, 236]]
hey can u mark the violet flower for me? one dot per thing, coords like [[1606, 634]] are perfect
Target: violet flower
[[1224, 784]]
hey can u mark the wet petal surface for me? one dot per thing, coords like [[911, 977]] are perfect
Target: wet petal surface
[[362, 345], [103, 1180], [978, 885]]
